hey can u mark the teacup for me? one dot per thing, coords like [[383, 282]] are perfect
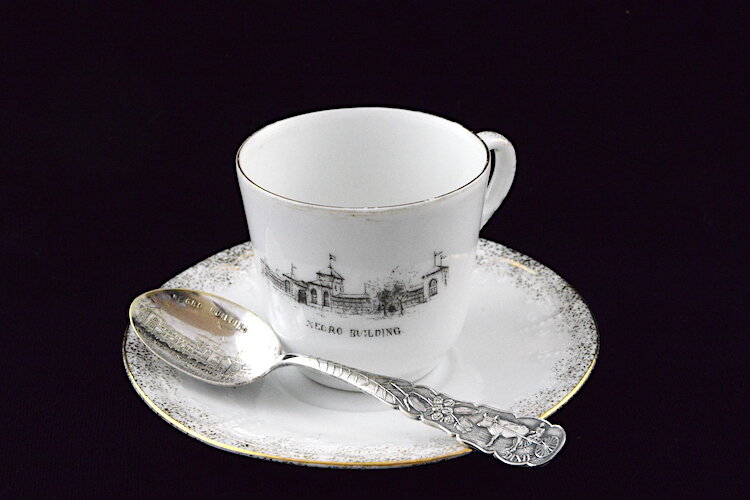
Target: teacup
[[365, 223]]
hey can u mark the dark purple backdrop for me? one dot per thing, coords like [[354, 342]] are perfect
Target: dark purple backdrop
[[123, 123]]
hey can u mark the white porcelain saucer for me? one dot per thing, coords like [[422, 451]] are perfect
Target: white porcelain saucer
[[529, 344]]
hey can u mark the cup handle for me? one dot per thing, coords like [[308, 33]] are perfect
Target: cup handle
[[502, 177]]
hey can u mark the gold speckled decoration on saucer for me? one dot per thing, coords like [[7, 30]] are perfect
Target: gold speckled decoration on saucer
[[529, 344]]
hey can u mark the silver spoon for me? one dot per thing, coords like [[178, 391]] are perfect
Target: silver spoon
[[222, 343]]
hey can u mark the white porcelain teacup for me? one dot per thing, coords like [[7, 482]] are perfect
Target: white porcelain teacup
[[365, 223]]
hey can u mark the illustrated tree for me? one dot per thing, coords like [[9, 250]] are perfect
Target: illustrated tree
[[391, 298]]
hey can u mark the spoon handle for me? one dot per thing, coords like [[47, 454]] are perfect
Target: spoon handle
[[527, 441]]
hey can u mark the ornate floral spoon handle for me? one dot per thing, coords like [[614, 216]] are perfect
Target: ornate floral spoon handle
[[514, 440]]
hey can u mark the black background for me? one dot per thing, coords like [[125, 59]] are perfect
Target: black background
[[122, 123]]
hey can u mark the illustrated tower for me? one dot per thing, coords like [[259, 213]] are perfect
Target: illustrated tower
[[330, 278], [436, 278]]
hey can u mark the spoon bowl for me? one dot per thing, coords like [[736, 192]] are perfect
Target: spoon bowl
[[206, 336]]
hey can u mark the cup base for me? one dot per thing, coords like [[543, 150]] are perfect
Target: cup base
[[334, 383]]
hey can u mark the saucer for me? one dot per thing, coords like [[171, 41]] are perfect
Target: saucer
[[528, 344]]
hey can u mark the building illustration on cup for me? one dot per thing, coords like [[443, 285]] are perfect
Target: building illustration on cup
[[383, 297]]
